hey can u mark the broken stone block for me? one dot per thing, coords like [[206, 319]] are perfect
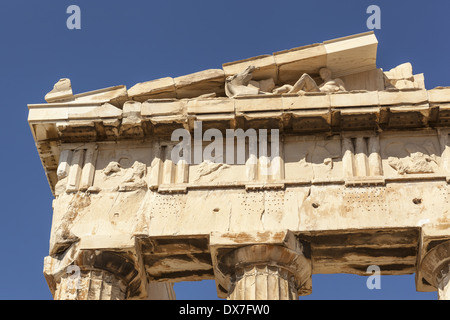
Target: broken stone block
[[265, 67], [114, 95], [400, 72], [62, 91], [294, 62], [200, 83], [103, 111], [419, 81], [132, 120], [159, 88], [351, 54], [401, 77]]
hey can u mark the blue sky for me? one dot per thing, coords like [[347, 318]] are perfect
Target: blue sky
[[126, 42]]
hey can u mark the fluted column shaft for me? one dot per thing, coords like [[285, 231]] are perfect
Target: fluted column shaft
[[262, 282], [444, 288], [90, 285], [443, 282], [265, 271]]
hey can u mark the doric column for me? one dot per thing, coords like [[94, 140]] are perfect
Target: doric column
[[277, 267], [436, 269]]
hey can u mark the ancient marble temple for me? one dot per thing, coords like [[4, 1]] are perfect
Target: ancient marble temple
[[363, 158]]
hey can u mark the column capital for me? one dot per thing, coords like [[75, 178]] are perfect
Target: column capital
[[118, 265], [234, 254], [433, 257], [435, 266]]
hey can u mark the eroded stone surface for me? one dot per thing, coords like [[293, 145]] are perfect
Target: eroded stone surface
[[62, 90], [363, 177]]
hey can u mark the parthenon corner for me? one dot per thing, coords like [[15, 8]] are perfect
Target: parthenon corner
[[257, 175]]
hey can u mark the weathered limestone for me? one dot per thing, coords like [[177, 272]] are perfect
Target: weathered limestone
[[101, 268], [438, 94], [131, 120], [263, 282], [62, 90], [239, 84], [444, 288], [351, 54], [91, 285], [264, 67], [164, 88], [307, 59], [200, 83], [306, 83], [359, 175], [372, 80], [265, 266], [435, 268], [113, 95], [344, 57], [401, 77]]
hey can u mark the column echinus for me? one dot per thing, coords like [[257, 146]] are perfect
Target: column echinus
[[269, 266], [435, 268], [84, 272]]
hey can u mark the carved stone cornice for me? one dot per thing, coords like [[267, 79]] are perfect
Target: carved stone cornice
[[308, 113]]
